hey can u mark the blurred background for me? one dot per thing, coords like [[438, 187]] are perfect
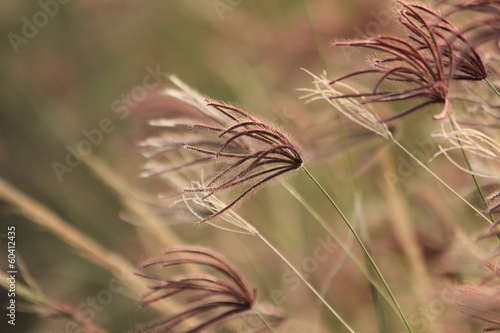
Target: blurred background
[[71, 71]]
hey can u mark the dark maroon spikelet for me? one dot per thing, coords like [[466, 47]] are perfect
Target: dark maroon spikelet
[[242, 152], [209, 298], [425, 63], [268, 154]]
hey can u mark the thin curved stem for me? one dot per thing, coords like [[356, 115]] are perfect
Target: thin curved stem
[[317, 38], [296, 271], [492, 87], [440, 180], [337, 240], [469, 167], [264, 321], [365, 250]]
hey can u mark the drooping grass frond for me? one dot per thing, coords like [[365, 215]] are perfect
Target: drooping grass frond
[[211, 298], [242, 152], [419, 67]]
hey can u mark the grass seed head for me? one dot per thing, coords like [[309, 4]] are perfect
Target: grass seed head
[[420, 66], [243, 152], [210, 298]]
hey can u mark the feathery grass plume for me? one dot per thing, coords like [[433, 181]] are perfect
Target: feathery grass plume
[[349, 107], [328, 135], [211, 298], [365, 117], [243, 152], [202, 208], [425, 62], [472, 141]]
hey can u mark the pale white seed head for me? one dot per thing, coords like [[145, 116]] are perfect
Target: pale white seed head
[[349, 107], [478, 146], [212, 205]]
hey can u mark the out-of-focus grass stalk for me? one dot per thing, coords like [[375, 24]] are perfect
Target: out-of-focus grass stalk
[[46, 307], [27, 293], [28, 278], [126, 194], [403, 230], [317, 38], [363, 247], [87, 247]]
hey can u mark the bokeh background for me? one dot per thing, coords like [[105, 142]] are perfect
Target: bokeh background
[[69, 74]]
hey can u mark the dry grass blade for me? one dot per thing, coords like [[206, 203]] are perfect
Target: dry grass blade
[[131, 199], [87, 247]]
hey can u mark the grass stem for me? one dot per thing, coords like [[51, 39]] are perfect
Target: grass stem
[[441, 181], [317, 38], [360, 242], [469, 167], [366, 272], [492, 87], [297, 272]]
